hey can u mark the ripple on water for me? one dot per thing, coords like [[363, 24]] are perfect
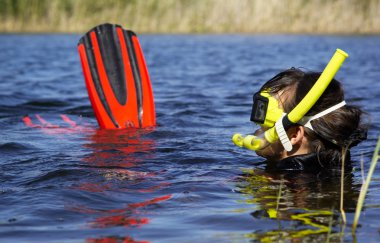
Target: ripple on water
[[176, 182], [15, 147]]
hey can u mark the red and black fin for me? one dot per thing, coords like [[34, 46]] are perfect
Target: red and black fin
[[117, 78]]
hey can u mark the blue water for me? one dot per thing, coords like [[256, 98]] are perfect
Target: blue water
[[182, 181]]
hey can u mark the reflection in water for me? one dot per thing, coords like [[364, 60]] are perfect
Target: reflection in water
[[305, 206], [115, 240], [64, 126], [119, 158]]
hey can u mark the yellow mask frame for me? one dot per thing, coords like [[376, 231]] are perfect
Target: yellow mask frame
[[265, 109]]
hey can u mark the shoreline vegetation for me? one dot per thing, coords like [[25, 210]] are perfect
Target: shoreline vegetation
[[193, 16]]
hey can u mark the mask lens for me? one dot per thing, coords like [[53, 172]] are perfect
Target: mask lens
[[259, 108]]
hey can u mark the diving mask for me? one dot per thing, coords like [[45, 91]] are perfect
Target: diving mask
[[266, 112], [260, 138], [265, 109]]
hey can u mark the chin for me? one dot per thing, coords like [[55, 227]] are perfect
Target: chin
[[270, 153], [260, 153], [266, 154]]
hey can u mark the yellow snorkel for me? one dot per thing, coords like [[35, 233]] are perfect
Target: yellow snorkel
[[279, 130]]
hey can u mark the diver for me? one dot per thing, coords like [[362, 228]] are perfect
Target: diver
[[304, 121]]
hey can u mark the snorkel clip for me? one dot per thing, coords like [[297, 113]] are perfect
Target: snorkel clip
[[281, 132]]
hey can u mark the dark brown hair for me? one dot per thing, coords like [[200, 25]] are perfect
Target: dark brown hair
[[338, 130]]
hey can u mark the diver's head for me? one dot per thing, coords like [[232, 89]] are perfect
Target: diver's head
[[327, 127]]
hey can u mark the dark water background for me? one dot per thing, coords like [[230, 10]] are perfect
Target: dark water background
[[181, 181]]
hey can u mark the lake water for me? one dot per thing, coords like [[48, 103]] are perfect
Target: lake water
[[184, 180]]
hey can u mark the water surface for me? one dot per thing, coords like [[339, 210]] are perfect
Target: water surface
[[182, 181]]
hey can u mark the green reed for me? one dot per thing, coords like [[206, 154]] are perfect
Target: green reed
[[193, 16], [342, 212], [365, 186]]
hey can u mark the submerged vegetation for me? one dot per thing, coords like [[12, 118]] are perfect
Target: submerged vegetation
[[298, 198], [189, 16]]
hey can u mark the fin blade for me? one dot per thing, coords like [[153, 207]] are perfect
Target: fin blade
[[116, 77]]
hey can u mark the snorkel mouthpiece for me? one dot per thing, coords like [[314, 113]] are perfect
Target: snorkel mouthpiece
[[237, 138], [278, 131], [250, 141], [254, 143]]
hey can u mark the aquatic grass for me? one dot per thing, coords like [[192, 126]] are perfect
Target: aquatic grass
[[342, 212], [330, 227], [365, 186]]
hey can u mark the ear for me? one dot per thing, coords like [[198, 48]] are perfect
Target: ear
[[296, 134]]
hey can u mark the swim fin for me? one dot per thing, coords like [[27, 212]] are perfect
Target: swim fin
[[117, 78]]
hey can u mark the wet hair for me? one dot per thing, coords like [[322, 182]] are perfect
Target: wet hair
[[333, 133]]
